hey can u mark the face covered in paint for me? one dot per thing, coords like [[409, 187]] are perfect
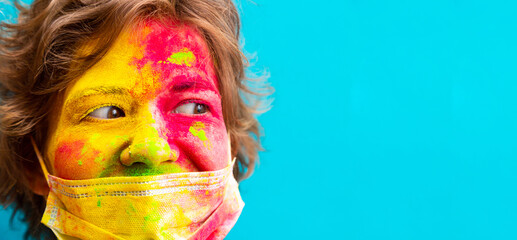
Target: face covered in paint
[[150, 106]]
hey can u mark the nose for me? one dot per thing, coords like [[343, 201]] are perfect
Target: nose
[[149, 148]]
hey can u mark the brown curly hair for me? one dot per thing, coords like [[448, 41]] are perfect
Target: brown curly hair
[[38, 60]]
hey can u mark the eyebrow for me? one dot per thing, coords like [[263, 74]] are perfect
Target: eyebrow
[[96, 91], [187, 85]]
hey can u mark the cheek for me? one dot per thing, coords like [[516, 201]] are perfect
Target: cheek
[[77, 160], [205, 143]]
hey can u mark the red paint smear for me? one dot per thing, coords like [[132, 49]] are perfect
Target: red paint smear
[[66, 155], [160, 42], [163, 40]]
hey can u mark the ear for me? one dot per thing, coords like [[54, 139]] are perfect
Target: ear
[[37, 182]]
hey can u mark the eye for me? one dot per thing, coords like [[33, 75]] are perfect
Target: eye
[[107, 112], [191, 108]]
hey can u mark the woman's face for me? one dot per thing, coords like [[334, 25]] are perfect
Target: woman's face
[[150, 106]]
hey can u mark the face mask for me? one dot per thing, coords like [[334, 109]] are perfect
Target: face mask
[[191, 205]]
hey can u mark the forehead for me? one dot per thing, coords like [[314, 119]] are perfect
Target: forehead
[[149, 56]]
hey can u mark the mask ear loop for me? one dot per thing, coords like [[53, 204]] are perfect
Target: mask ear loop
[[40, 158]]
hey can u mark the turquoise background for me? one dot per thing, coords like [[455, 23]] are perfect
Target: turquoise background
[[391, 120]]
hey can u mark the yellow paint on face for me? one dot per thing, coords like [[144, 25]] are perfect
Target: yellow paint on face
[[114, 72], [146, 89], [116, 69]]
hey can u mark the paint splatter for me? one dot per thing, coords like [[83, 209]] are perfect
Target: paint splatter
[[183, 57], [197, 129], [154, 214], [98, 159], [130, 210]]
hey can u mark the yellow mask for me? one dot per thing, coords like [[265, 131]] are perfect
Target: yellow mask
[[191, 205]]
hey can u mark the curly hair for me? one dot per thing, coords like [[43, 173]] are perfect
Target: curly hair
[[38, 60]]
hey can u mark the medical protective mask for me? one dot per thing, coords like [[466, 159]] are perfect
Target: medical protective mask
[[190, 205]]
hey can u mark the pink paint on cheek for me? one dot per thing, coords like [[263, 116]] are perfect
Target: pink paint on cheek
[[206, 147], [200, 139]]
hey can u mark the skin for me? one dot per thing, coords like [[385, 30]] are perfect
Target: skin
[[157, 75]]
